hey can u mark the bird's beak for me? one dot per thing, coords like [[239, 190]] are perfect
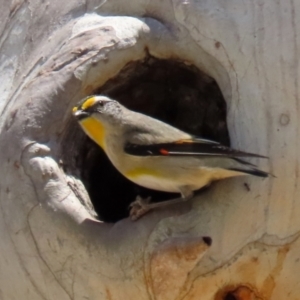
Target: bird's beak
[[80, 114]]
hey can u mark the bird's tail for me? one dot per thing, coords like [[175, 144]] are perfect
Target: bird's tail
[[253, 171], [248, 168]]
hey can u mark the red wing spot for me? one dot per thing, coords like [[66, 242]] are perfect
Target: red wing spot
[[164, 152]]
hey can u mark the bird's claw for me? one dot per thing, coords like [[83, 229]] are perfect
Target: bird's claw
[[139, 207]]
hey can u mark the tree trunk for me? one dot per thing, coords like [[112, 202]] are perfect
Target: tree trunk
[[237, 240]]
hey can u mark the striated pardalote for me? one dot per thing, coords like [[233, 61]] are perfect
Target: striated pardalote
[[156, 155]]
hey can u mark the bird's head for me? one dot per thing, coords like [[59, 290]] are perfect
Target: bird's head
[[99, 107], [97, 115]]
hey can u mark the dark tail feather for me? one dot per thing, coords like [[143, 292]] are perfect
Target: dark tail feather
[[254, 172], [241, 161]]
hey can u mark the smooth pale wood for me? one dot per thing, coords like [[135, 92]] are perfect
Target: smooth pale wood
[[51, 246]]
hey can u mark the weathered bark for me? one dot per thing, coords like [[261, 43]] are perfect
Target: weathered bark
[[53, 247]]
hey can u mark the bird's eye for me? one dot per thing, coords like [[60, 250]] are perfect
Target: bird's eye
[[100, 103]]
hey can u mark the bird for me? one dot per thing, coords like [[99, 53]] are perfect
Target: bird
[[156, 155]]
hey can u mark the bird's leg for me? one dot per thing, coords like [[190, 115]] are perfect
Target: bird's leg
[[141, 206]]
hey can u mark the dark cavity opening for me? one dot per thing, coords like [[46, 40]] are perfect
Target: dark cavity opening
[[241, 292], [230, 296], [168, 90]]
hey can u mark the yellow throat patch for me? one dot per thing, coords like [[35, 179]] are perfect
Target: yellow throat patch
[[95, 130]]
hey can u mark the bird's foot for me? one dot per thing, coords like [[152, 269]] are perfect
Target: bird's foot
[[139, 207]]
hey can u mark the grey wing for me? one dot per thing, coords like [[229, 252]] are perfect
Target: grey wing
[[150, 137], [145, 130]]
